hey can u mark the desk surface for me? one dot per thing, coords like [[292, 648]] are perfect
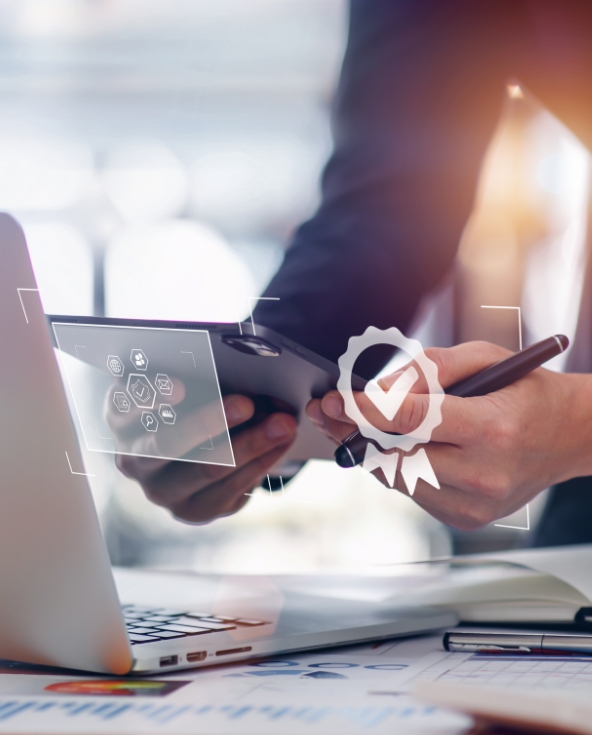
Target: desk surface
[[350, 690]]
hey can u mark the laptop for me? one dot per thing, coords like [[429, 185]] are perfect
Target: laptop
[[59, 604]]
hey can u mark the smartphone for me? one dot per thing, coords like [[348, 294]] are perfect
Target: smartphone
[[136, 367]]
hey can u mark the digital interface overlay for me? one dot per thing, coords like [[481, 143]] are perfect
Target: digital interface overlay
[[145, 392], [413, 463]]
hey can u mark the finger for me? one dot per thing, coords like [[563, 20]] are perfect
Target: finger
[[447, 504], [180, 480], [332, 406], [333, 429], [314, 411], [229, 494], [199, 427], [452, 363], [461, 361], [458, 510], [146, 453], [461, 417], [465, 498]]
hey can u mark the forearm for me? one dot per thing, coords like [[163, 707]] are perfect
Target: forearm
[[400, 184]]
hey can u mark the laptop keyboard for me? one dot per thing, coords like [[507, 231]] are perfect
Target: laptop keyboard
[[147, 625]]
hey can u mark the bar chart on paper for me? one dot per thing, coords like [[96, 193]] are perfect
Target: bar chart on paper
[[26, 715]]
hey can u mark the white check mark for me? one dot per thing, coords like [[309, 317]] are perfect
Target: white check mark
[[389, 402]]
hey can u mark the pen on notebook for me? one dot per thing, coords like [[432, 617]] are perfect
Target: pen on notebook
[[517, 642], [352, 449]]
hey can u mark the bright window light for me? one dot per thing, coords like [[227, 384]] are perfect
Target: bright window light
[[63, 265], [43, 174], [246, 184], [178, 269], [145, 182]]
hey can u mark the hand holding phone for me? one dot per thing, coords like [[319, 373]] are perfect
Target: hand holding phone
[[195, 492]]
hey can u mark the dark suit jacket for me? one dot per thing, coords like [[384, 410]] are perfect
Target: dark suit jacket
[[419, 97]]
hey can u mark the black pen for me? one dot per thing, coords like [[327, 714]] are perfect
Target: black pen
[[352, 449], [518, 641]]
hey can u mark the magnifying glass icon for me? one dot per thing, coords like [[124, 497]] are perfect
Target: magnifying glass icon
[[150, 423]]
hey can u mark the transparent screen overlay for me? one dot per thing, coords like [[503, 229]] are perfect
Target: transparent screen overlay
[[145, 392]]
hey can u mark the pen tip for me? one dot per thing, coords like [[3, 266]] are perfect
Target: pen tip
[[563, 341], [343, 456]]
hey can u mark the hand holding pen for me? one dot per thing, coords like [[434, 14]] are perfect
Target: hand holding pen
[[494, 377], [492, 453]]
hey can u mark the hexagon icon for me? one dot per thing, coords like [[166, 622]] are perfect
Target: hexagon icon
[[122, 402], [150, 421], [141, 390], [167, 414], [139, 359], [116, 367], [164, 384]]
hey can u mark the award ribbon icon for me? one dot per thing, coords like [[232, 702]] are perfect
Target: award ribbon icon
[[414, 466]]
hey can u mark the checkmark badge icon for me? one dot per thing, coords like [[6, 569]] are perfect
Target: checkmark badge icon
[[389, 402]]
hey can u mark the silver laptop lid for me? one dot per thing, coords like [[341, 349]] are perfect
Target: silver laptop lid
[[58, 603]]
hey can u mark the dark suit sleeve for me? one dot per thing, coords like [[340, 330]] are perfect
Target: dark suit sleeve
[[420, 93]]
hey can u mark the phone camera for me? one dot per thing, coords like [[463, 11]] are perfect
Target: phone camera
[[252, 346]]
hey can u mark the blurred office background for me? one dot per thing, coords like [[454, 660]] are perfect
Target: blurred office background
[[159, 154]]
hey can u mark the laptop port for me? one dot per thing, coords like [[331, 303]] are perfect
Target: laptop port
[[229, 651], [169, 660], [196, 656]]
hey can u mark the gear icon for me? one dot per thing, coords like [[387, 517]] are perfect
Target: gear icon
[[357, 345]]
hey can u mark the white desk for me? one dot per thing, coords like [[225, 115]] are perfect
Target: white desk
[[349, 691]]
